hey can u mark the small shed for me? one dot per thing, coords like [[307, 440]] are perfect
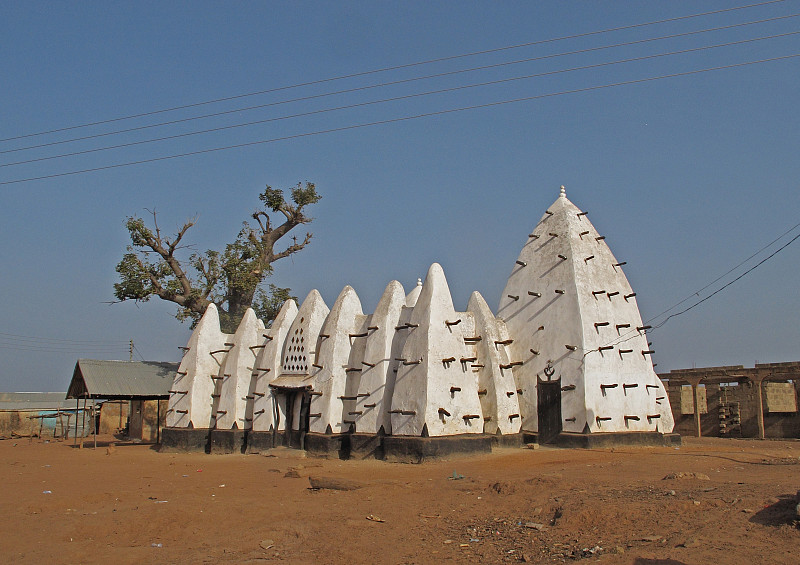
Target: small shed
[[34, 414], [145, 384]]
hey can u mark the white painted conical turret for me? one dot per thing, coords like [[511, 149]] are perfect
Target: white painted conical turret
[[574, 318], [435, 392], [330, 407], [413, 296], [268, 366], [374, 385], [495, 369], [190, 396], [236, 373]]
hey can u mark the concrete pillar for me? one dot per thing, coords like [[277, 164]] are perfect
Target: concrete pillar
[[695, 382], [758, 380]]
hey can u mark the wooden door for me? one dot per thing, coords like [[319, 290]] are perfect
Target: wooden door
[[549, 410]]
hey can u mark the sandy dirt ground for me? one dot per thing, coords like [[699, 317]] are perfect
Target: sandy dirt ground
[[131, 504]]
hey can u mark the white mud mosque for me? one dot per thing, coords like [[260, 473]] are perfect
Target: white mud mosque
[[566, 360]]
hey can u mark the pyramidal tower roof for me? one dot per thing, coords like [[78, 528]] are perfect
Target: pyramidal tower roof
[[575, 319]]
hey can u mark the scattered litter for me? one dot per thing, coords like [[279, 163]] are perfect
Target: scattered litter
[[448, 541], [267, 544], [474, 540], [47, 492], [463, 545], [160, 501], [698, 476], [199, 470], [185, 475], [373, 518], [221, 486], [455, 477], [156, 545]]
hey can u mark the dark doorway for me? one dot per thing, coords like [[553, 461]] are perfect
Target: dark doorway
[[549, 410], [291, 397], [287, 433], [305, 417]]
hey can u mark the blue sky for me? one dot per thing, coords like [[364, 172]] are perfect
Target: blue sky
[[687, 176]]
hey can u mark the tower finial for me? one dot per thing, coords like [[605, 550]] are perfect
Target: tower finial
[[563, 192], [419, 282]]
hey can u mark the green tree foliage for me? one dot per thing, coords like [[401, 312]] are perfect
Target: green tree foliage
[[231, 279]]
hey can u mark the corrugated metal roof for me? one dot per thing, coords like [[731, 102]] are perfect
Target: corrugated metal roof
[[93, 378], [35, 401]]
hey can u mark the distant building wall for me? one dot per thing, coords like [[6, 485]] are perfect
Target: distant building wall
[[114, 416], [144, 418], [24, 423]]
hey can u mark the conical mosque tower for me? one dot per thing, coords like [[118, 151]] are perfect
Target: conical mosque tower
[[565, 359], [577, 328]]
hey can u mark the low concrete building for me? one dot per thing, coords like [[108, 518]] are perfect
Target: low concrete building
[[736, 401]]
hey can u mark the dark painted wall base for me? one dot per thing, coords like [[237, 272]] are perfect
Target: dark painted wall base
[[417, 449], [511, 440], [226, 441], [610, 439], [184, 440], [258, 442], [391, 448], [325, 445]]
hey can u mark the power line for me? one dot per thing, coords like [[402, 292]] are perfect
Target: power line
[[395, 120], [748, 271], [392, 83], [393, 99], [139, 353], [43, 349], [55, 340], [392, 68], [697, 293], [632, 334]]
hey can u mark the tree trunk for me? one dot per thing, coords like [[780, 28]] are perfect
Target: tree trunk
[[237, 305]]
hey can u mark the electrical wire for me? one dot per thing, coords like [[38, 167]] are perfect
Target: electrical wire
[[396, 120], [36, 339], [392, 68], [748, 271], [394, 99], [392, 83], [139, 353], [635, 333]]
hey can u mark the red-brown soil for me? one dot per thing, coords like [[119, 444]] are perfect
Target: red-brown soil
[[61, 504]]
